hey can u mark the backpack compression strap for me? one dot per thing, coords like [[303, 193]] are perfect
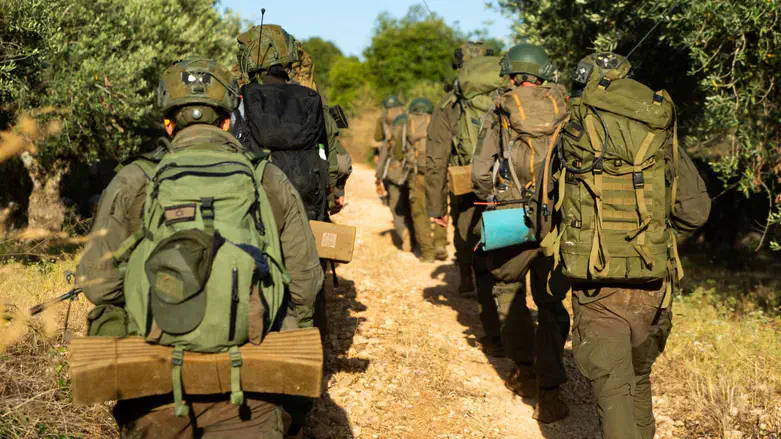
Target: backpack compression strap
[[599, 259]]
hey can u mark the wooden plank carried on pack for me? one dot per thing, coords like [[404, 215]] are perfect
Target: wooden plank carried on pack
[[112, 368], [460, 179], [335, 242]]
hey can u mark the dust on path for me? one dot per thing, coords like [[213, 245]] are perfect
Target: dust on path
[[402, 351]]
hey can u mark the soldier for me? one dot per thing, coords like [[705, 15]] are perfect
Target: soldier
[[288, 63], [391, 177], [196, 101], [622, 203], [440, 155], [412, 134], [505, 142]]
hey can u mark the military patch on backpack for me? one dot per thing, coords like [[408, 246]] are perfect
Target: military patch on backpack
[[179, 214]]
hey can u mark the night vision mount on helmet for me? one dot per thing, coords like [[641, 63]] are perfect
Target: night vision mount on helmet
[[197, 81], [527, 59]]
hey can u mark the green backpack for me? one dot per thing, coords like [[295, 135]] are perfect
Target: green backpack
[[614, 197], [205, 273], [476, 89]]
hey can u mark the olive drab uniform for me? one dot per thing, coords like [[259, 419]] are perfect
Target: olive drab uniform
[[412, 144], [619, 246], [439, 156], [620, 330], [500, 148], [119, 215], [391, 173]]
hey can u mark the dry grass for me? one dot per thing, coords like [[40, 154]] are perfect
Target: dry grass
[[720, 376], [34, 378]]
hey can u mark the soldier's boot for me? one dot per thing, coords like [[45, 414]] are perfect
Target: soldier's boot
[[550, 407], [493, 347], [466, 285], [522, 381]]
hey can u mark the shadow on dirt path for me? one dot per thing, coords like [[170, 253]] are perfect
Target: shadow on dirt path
[[577, 391]]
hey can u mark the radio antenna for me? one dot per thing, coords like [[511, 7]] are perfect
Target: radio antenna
[[260, 37], [649, 33]]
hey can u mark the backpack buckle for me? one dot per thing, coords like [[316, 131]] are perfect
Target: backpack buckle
[[576, 224], [658, 99], [604, 83], [207, 208], [638, 180], [235, 358]]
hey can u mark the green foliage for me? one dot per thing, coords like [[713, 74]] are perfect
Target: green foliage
[[29, 35], [719, 60], [405, 51], [433, 91], [324, 54], [348, 80], [104, 77]]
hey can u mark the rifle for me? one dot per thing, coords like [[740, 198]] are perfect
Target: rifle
[[500, 203], [70, 296]]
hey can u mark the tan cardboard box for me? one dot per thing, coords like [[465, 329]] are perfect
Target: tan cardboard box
[[335, 242], [459, 179]]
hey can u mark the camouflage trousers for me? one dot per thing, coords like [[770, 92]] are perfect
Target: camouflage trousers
[[524, 346], [618, 334], [430, 237], [210, 417]]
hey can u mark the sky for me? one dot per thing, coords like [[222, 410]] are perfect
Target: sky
[[349, 23]]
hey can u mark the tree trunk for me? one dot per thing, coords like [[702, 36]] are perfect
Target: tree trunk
[[46, 210]]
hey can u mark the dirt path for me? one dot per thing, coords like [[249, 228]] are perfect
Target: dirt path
[[402, 349]]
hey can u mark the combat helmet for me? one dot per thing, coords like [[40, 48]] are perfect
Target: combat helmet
[[303, 69], [258, 52], [470, 50], [601, 65], [200, 83], [392, 101], [527, 59], [421, 105]]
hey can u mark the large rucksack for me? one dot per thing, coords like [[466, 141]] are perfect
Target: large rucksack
[[398, 166], [287, 120], [416, 133], [614, 196], [205, 273], [534, 118], [475, 92]]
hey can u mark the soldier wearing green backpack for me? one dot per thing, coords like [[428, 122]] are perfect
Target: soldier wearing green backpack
[[625, 190], [511, 151], [452, 138], [202, 246]]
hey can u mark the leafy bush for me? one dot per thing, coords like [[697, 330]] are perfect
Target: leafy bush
[[719, 60]]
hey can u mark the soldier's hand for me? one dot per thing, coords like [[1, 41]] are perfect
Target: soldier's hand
[[338, 205], [381, 189], [441, 221]]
